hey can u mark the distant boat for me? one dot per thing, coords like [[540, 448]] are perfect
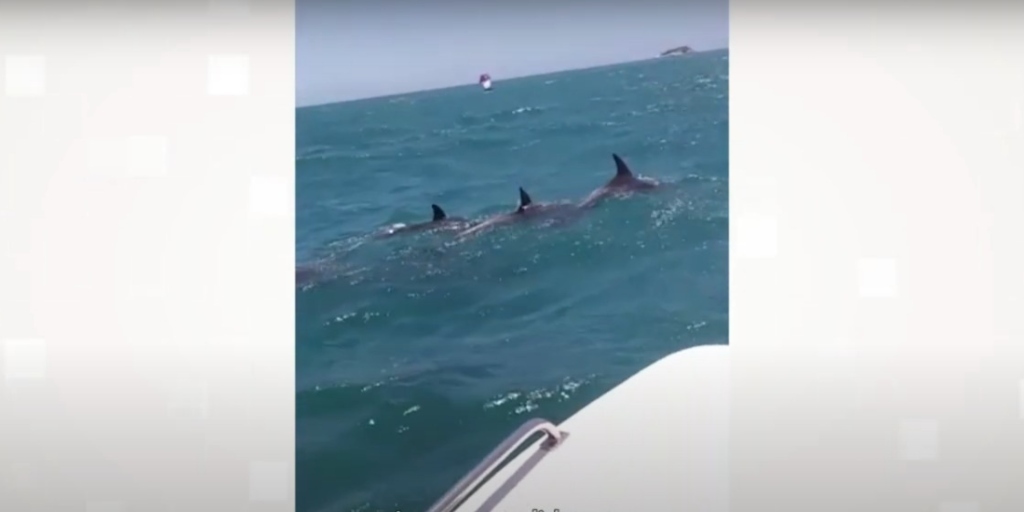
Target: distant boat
[[485, 81], [680, 50]]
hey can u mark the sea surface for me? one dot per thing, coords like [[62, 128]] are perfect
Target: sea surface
[[417, 355]]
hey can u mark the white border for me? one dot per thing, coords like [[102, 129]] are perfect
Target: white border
[[877, 356], [147, 301]]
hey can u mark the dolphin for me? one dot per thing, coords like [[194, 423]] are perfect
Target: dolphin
[[305, 276], [527, 210], [624, 181], [316, 272], [440, 220]]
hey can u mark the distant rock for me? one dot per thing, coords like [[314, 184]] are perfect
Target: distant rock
[[681, 50]]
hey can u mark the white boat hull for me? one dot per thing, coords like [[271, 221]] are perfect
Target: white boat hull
[[486, 84], [658, 441]]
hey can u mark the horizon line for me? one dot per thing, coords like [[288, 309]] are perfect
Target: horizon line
[[514, 77]]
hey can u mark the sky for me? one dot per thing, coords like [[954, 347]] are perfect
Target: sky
[[351, 49]]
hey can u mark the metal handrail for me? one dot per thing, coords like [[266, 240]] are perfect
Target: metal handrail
[[488, 466]]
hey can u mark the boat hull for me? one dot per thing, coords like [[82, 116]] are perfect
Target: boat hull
[[658, 441]]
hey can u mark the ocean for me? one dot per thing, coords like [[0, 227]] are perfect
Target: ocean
[[416, 355]]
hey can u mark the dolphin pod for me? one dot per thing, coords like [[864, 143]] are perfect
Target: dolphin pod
[[623, 182]]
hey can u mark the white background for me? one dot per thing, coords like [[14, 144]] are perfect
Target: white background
[[146, 265]]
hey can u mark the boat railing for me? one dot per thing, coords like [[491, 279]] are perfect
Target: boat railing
[[494, 461]]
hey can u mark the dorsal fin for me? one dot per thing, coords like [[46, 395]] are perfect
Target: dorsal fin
[[438, 213], [621, 169], [524, 200]]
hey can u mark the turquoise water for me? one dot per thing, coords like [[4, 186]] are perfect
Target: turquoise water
[[416, 355]]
